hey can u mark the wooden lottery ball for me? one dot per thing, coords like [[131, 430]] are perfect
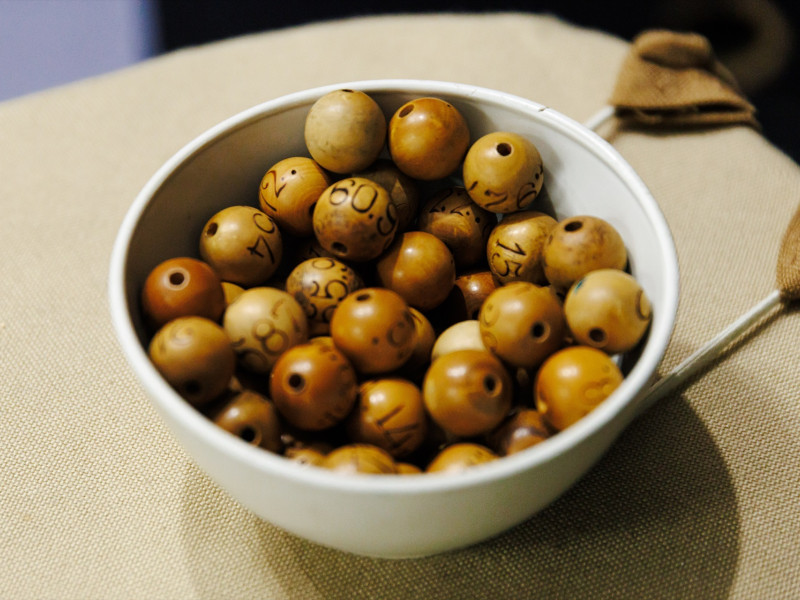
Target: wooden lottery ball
[[522, 429], [522, 323], [180, 287], [503, 172], [319, 284], [390, 414], [305, 456], [403, 190], [195, 356], [242, 244], [367, 459], [467, 392], [419, 267], [345, 130], [515, 246], [424, 338], [313, 386], [572, 382], [580, 244], [469, 293], [251, 417], [464, 335], [458, 457], [374, 328], [607, 309], [289, 191], [404, 468], [461, 224], [354, 219], [262, 323], [428, 138]]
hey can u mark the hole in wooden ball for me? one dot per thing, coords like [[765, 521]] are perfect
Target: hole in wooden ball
[[490, 384], [212, 229], [348, 91], [503, 149], [573, 226], [248, 434], [362, 297], [192, 387], [597, 335], [296, 382], [406, 110], [539, 330], [177, 278], [339, 248]]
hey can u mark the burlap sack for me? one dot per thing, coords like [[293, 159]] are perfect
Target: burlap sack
[[698, 499]]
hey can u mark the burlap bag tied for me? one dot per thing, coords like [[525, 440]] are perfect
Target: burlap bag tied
[[673, 79]]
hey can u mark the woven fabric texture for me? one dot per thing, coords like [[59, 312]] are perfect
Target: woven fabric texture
[[699, 498]]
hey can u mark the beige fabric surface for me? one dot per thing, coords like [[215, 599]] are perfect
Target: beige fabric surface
[[699, 498]]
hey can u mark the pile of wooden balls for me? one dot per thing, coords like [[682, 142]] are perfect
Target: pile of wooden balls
[[353, 323]]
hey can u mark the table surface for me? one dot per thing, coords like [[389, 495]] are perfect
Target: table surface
[[698, 498]]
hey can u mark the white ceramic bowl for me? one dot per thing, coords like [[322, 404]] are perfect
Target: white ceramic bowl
[[378, 515]]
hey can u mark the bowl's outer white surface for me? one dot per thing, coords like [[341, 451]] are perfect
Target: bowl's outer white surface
[[391, 516]]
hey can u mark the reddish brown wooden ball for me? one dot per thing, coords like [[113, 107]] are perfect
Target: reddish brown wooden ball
[[573, 382], [289, 191], [262, 323], [319, 285], [181, 287], [467, 392], [523, 428], [522, 323], [390, 414], [354, 219], [461, 224], [402, 189], [503, 172], [608, 309], [460, 456], [515, 247], [313, 386], [464, 335], [251, 417], [360, 458], [345, 130], [242, 244], [468, 294], [374, 328], [428, 138], [578, 245], [424, 338], [419, 267], [195, 356]]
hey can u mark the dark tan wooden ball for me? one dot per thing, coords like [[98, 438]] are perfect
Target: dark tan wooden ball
[[467, 392], [461, 224], [354, 219], [319, 285], [374, 328], [469, 292], [522, 323], [419, 267], [573, 382], [609, 310], [578, 245], [181, 287], [523, 429], [428, 138], [251, 417], [367, 459], [242, 244], [289, 190], [195, 356], [389, 414], [516, 245], [345, 131], [402, 189], [460, 456], [313, 386], [503, 172]]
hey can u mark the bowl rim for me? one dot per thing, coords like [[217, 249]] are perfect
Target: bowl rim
[[624, 397]]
